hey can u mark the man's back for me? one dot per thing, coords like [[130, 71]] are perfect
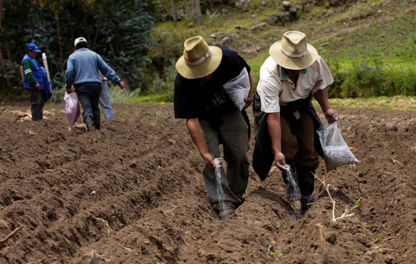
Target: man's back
[[83, 67], [83, 64]]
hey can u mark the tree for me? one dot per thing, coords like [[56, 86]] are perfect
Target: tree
[[198, 12], [173, 13], [118, 30]]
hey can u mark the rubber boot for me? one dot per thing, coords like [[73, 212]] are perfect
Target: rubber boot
[[306, 181], [34, 111], [40, 113], [97, 123], [88, 123]]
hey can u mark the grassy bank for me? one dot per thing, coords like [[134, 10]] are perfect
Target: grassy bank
[[369, 45]]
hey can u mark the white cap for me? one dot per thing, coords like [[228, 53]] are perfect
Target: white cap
[[78, 40]]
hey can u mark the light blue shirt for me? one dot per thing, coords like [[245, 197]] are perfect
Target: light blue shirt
[[83, 67]]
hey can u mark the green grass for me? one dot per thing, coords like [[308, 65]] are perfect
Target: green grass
[[122, 115], [402, 103], [150, 99], [373, 57]]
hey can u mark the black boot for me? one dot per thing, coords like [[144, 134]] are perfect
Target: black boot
[[306, 181], [88, 123], [97, 123], [40, 113], [35, 113]]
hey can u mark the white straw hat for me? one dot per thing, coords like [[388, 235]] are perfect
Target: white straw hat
[[293, 52]]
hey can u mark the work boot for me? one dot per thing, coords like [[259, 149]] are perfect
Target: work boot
[[35, 114], [40, 113], [88, 123], [307, 201], [227, 210], [97, 123], [306, 181]]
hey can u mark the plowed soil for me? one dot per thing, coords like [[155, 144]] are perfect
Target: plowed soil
[[133, 192]]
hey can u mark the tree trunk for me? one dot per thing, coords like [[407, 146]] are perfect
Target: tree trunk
[[59, 42], [6, 35], [173, 13], [3, 66], [85, 23], [198, 12], [96, 33]]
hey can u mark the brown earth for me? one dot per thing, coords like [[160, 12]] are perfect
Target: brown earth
[[133, 193]]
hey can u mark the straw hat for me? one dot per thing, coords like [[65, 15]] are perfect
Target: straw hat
[[199, 59], [293, 52]]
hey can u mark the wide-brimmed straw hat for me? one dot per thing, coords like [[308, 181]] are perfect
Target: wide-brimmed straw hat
[[293, 52], [199, 59]]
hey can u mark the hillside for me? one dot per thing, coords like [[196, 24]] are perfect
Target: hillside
[[368, 45]]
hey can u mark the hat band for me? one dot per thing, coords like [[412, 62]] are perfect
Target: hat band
[[195, 63], [293, 55]]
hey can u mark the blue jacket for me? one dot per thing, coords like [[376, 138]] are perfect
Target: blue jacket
[[47, 86], [83, 67], [37, 73]]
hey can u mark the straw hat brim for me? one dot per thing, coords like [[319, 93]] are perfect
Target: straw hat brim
[[293, 63], [203, 69]]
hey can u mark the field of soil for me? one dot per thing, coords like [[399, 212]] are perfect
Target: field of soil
[[133, 193]]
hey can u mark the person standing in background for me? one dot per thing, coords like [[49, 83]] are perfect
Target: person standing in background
[[105, 99], [33, 81]]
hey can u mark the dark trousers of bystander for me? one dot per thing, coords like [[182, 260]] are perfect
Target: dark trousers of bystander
[[37, 102], [89, 96]]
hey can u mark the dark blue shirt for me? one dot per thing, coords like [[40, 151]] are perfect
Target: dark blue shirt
[[190, 101]]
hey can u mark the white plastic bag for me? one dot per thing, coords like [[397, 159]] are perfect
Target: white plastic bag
[[72, 109], [336, 151], [238, 89]]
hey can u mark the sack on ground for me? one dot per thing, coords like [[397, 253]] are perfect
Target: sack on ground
[[336, 150], [72, 109], [238, 89]]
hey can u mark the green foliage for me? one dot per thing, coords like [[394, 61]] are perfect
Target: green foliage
[[165, 84], [118, 95], [118, 30], [125, 41]]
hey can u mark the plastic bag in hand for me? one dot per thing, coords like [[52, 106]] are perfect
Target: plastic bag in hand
[[336, 150], [72, 109], [238, 89]]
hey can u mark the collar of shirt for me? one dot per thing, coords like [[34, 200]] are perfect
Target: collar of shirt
[[283, 75]]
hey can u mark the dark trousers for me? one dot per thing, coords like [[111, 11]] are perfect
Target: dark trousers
[[298, 148], [37, 101], [234, 137], [89, 96], [36, 98]]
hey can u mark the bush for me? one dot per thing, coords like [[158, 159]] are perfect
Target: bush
[[164, 84]]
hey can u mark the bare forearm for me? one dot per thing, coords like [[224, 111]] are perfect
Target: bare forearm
[[250, 93], [275, 131], [197, 135], [322, 97]]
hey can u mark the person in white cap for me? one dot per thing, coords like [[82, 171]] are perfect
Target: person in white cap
[[83, 72], [212, 118], [285, 120]]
